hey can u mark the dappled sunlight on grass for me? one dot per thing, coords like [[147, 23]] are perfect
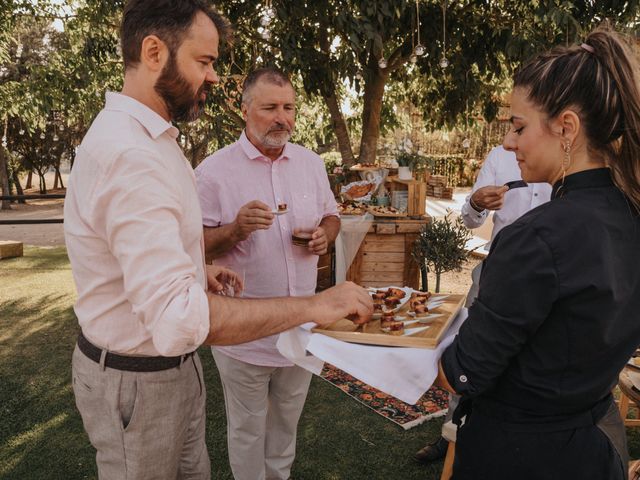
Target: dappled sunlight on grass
[[41, 434], [16, 447]]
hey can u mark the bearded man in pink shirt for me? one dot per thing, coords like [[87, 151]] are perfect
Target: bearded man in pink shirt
[[133, 228], [240, 189]]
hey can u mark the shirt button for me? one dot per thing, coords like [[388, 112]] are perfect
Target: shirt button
[[463, 378], [535, 194]]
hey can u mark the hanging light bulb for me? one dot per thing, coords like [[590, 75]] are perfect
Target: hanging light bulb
[[270, 13], [413, 58], [359, 76], [21, 132], [466, 143], [55, 138], [62, 128], [42, 136], [4, 142], [266, 35], [382, 63], [420, 50], [444, 63]]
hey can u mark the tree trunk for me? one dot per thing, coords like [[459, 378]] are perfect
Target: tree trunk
[[58, 178], [341, 131], [16, 181], [4, 179], [43, 183], [29, 180], [424, 278], [337, 119], [438, 282], [373, 92], [198, 152]]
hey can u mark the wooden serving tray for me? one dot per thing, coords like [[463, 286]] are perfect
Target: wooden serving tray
[[371, 334], [387, 215]]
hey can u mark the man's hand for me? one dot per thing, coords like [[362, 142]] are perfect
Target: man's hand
[[319, 242], [346, 300], [490, 197], [253, 216], [221, 279]]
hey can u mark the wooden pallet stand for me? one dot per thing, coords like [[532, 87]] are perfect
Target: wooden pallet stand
[[416, 193], [384, 257]]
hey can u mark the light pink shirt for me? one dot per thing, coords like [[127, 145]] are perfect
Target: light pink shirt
[[272, 265], [133, 230]]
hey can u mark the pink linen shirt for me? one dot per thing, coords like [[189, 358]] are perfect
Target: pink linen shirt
[[272, 265], [133, 230]]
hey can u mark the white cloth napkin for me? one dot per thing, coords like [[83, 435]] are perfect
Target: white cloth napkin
[[405, 373]]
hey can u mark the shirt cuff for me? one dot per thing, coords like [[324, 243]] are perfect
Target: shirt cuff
[[184, 325], [456, 375]]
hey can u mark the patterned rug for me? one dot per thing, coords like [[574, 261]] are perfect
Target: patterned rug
[[433, 403]]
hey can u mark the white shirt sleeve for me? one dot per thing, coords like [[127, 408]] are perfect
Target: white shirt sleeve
[[487, 176], [142, 217]]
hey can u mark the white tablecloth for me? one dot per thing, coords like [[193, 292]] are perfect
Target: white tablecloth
[[405, 373], [352, 232]]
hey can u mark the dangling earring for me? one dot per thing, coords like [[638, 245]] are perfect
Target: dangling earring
[[566, 161]]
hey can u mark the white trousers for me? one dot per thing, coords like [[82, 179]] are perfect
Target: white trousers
[[263, 406]]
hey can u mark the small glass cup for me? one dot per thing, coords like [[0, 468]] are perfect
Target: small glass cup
[[303, 228], [234, 288]]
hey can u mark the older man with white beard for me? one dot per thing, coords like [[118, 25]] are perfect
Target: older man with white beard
[[240, 188]]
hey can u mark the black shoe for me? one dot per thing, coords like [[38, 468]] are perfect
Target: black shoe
[[432, 452]]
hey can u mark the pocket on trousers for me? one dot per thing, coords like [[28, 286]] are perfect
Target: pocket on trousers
[[128, 399], [79, 382]]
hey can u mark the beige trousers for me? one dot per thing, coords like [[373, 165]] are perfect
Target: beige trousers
[[144, 425], [263, 407]]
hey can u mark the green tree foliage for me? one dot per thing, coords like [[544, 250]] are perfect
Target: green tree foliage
[[441, 248], [331, 47]]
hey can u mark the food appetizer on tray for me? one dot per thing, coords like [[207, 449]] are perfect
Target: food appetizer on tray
[[358, 167], [388, 300], [360, 190], [381, 211], [352, 208], [402, 317]]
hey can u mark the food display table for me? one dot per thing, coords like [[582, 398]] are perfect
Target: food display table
[[630, 395], [384, 256]]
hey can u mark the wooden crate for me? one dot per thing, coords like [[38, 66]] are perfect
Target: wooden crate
[[416, 194], [10, 249], [326, 271], [384, 257]]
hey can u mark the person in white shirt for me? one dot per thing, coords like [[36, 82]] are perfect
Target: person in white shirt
[[133, 229], [491, 193]]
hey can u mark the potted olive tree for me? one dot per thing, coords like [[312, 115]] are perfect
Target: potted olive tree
[[440, 248], [406, 163]]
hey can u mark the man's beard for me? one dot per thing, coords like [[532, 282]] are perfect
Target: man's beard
[[276, 137], [177, 94]]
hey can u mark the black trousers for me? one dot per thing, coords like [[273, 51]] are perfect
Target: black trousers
[[487, 450]]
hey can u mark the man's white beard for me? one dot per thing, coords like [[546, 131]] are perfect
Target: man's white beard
[[276, 140]]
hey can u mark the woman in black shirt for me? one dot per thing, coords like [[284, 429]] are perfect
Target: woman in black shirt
[[557, 314]]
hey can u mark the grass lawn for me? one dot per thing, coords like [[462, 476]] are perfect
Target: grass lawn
[[41, 434]]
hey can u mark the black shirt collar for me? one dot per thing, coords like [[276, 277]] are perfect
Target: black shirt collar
[[594, 178]]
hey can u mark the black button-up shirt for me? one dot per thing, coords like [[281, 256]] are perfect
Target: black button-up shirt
[[557, 315]]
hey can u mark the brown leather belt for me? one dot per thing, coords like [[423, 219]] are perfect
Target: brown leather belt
[[130, 364]]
